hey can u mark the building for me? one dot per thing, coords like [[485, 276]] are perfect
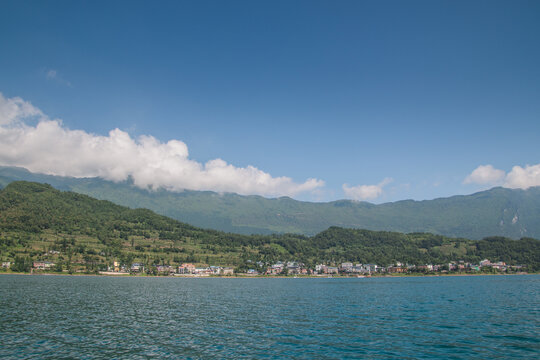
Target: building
[[275, 269], [137, 267], [396, 269], [332, 270], [499, 266], [202, 271], [227, 271], [294, 268], [485, 262], [370, 268], [164, 269], [42, 265], [186, 268]]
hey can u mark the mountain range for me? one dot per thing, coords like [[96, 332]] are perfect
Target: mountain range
[[499, 211], [80, 233]]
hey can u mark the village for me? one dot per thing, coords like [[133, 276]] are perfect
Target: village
[[348, 268], [293, 268]]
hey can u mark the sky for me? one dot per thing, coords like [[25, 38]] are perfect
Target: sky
[[317, 100]]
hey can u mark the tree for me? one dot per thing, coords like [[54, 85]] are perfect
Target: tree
[[22, 264], [58, 267]]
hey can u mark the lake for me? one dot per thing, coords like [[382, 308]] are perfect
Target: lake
[[270, 318]]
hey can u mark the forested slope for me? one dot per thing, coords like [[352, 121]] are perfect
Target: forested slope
[[37, 220], [496, 212]]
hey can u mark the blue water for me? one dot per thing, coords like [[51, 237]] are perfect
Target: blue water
[[380, 318]]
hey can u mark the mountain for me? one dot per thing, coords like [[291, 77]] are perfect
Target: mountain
[[38, 222], [496, 212], [41, 222]]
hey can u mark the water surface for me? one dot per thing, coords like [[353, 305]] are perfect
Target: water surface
[[379, 318]]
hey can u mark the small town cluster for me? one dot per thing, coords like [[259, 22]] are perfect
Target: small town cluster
[[294, 268], [348, 268]]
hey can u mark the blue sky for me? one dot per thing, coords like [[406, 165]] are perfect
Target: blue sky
[[376, 100]]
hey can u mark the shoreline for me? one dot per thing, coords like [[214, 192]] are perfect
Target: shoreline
[[127, 275]]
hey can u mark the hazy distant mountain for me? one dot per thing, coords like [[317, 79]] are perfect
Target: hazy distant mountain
[[499, 211]]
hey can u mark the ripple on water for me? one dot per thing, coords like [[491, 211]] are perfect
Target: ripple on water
[[140, 318]]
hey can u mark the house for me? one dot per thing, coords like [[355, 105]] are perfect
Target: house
[[485, 262], [332, 270], [396, 269], [424, 268], [137, 267], [294, 269], [499, 266], [202, 271], [227, 271], [164, 269], [6, 264], [275, 269], [370, 268], [43, 265], [186, 268]]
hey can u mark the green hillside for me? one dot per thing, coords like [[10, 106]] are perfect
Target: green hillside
[[496, 212], [38, 222]]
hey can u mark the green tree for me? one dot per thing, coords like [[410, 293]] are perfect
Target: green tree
[[22, 264], [58, 267]]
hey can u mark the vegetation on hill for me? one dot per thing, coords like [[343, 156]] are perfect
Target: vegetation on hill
[[496, 212], [38, 222]]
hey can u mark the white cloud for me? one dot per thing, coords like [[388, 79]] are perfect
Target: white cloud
[[365, 192], [51, 74], [523, 178], [50, 148], [16, 110], [485, 175], [517, 178]]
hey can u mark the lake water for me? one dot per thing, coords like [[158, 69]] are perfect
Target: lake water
[[380, 318]]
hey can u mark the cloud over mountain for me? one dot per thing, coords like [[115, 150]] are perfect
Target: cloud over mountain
[[523, 178], [485, 174], [365, 192], [518, 178], [49, 147]]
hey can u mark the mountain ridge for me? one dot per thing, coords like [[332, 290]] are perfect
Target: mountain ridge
[[80, 233], [499, 211]]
